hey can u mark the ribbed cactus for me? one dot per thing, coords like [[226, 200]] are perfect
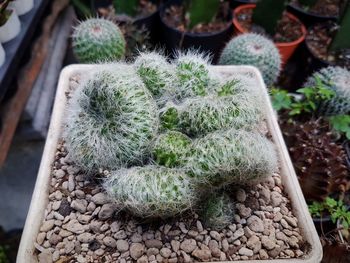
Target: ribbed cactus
[[171, 148], [152, 191], [255, 50], [98, 40], [217, 211], [112, 121], [336, 79], [193, 75], [156, 73], [232, 156]]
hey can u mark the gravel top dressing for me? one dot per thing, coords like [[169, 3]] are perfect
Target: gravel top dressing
[[81, 224]]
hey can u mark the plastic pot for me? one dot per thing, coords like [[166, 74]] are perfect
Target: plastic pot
[[22, 6], [173, 39], [308, 18], [11, 28], [2, 55], [286, 49], [236, 3]]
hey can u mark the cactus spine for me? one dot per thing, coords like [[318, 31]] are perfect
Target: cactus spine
[[152, 191], [255, 50], [98, 40], [112, 121], [336, 79]]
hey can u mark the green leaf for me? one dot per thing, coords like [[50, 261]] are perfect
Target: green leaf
[[280, 99], [128, 7], [202, 11], [341, 123]]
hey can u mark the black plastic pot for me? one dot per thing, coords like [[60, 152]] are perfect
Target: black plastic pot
[[173, 39], [308, 18], [324, 224], [151, 24], [235, 3]]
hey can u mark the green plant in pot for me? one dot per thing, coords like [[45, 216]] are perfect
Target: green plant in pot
[[333, 48], [191, 24], [277, 25]]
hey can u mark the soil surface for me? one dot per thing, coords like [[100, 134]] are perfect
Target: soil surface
[[175, 18], [288, 30], [81, 224], [328, 8], [318, 41]]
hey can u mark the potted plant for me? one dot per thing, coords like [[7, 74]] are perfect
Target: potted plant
[[284, 28], [22, 6], [328, 43], [140, 169], [10, 25], [191, 24], [315, 11]]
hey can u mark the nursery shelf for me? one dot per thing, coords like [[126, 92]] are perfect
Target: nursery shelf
[[15, 48]]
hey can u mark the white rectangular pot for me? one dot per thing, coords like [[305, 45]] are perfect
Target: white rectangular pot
[[22, 6], [2, 55], [26, 253]]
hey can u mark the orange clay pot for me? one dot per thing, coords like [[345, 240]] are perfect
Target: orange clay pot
[[286, 49]]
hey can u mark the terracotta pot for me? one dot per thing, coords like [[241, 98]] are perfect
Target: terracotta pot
[[286, 49]]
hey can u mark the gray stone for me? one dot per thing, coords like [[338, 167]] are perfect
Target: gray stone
[[47, 225], [107, 211], [267, 243], [188, 245], [255, 224], [254, 244], [202, 254], [110, 242], [75, 227], [45, 257], [241, 196], [165, 252], [153, 243], [136, 250], [122, 245], [245, 252], [79, 205], [276, 199], [100, 199], [85, 237], [215, 235], [237, 234], [175, 245]]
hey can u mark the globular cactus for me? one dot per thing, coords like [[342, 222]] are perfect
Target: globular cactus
[[98, 40], [171, 148], [156, 73], [112, 120], [217, 211], [232, 156], [152, 191], [193, 75], [255, 50], [235, 105], [336, 79]]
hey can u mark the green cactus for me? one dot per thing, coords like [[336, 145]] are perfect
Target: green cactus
[[217, 211], [336, 79], [152, 191], [171, 149], [98, 40], [232, 156], [253, 49], [170, 116], [193, 75], [112, 120], [155, 72]]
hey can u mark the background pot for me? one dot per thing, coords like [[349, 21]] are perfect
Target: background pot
[[236, 3], [173, 39], [22, 6], [11, 28], [286, 49], [308, 18], [2, 55]]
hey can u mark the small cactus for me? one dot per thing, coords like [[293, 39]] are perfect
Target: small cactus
[[232, 156], [155, 72], [217, 211], [336, 79], [112, 121], [253, 49], [152, 191], [171, 148], [193, 75], [98, 40]]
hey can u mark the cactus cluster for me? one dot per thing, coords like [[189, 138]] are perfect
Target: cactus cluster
[[112, 120], [255, 50], [217, 211], [336, 79], [207, 138], [231, 156], [152, 191], [98, 40]]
